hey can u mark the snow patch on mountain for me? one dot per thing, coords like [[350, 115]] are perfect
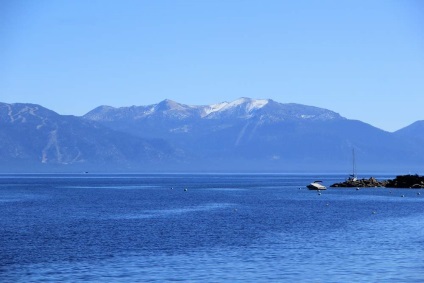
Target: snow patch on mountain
[[101, 113], [53, 146], [22, 113], [183, 129], [213, 108], [244, 107], [250, 104], [169, 105], [256, 104], [10, 113]]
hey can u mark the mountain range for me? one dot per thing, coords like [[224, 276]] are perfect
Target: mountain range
[[245, 135]]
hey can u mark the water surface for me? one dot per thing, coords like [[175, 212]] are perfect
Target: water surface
[[213, 228]]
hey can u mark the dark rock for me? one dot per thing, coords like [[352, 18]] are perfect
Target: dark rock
[[407, 181], [401, 181], [361, 183]]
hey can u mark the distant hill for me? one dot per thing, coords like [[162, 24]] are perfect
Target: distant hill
[[415, 132], [254, 135], [264, 135], [34, 138]]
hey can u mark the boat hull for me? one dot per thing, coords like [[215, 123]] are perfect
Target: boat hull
[[316, 187]]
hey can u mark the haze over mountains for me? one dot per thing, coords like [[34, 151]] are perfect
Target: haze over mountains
[[241, 136]]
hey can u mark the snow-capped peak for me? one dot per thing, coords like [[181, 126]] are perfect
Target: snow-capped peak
[[248, 103], [168, 104]]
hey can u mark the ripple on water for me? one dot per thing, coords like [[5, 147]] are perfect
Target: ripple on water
[[172, 212]]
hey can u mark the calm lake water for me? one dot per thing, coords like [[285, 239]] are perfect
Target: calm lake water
[[210, 228]]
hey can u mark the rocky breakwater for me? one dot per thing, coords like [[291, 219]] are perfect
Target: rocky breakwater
[[401, 181], [406, 181], [361, 183]]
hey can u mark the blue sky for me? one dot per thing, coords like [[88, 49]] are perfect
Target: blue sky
[[362, 59]]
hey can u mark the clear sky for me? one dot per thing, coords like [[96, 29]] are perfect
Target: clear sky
[[363, 59]]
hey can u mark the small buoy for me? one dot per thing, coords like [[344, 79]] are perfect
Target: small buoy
[[418, 193], [357, 189], [185, 190], [374, 212], [403, 196], [300, 188], [319, 194], [172, 188]]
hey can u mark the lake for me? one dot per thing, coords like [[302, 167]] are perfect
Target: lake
[[206, 227]]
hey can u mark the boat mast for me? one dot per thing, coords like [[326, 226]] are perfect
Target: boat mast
[[353, 159]]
